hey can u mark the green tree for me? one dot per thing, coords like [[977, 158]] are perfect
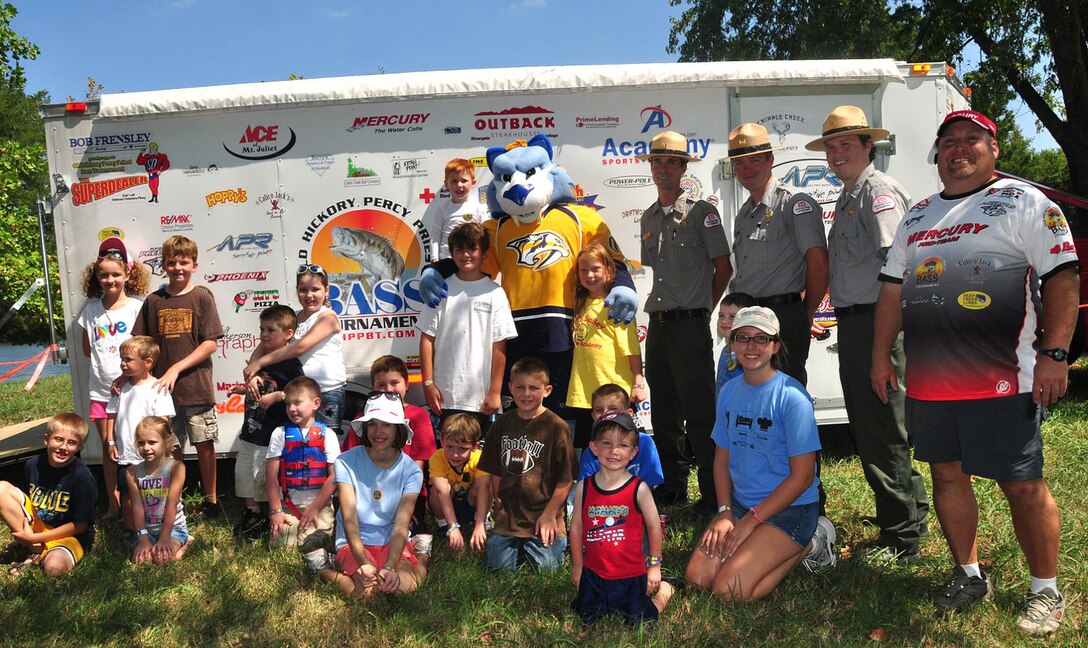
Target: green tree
[[23, 177], [1032, 49]]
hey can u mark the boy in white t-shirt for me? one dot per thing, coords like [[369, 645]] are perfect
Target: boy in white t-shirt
[[462, 351], [138, 399], [463, 206]]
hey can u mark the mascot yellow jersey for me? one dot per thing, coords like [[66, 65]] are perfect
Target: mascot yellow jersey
[[538, 268]]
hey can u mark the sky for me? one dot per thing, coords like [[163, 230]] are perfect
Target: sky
[[162, 44]]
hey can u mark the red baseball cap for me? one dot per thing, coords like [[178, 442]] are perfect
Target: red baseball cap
[[114, 245], [984, 122]]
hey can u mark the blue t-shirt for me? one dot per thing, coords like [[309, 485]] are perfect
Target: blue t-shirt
[[725, 374], [377, 493], [762, 427], [646, 465]]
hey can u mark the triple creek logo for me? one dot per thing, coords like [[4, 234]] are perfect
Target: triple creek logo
[[373, 250]]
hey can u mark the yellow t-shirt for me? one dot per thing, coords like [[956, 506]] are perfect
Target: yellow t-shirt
[[601, 349], [459, 481]]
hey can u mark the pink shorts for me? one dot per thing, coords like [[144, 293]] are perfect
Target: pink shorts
[[376, 555], [98, 410]]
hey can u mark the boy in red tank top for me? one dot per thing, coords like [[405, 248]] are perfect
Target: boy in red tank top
[[613, 511]]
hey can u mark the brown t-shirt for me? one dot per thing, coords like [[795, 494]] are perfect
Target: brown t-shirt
[[531, 457], [179, 323]]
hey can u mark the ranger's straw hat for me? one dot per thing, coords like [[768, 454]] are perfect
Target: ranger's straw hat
[[669, 144], [749, 139], [846, 120]]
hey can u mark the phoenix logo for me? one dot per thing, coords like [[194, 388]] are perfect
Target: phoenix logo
[[540, 250]]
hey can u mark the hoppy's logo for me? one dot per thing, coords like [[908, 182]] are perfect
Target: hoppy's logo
[[540, 250]]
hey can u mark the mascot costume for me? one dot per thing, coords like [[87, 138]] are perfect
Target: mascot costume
[[537, 230]]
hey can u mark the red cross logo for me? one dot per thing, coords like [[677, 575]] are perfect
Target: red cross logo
[[426, 196]]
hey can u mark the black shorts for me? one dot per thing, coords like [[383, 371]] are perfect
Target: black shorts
[[995, 438], [624, 596]]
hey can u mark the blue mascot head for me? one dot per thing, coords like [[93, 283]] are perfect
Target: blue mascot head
[[526, 180]]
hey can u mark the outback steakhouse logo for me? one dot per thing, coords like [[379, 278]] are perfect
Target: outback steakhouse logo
[[514, 122], [261, 142]]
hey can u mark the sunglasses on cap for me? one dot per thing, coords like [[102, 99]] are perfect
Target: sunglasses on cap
[[311, 268], [375, 395], [112, 254]]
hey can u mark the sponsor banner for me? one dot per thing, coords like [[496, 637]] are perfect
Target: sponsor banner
[[256, 275], [390, 123], [513, 123], [194, 171], [408, 167], [629, 182], [237, 346], [176, 223], [255, 301], [597, 121], [779, 126], [261, 142], [93, 144], [618, 150], [373, 249], [246, 246], [319, 163], [152, 258], [813, 177], [224, 196], [110, 232], [118, 190], [92, 164], [360, 176], [274, 204]]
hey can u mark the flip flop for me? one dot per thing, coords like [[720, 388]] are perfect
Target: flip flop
[[18, 569]]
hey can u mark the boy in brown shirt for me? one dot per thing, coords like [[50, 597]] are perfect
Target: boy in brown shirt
[[183, 319], [530, 459]]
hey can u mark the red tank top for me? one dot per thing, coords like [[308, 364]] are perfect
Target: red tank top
[[612, 530]]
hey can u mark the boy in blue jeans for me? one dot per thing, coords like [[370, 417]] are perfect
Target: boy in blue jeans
[[530, 459]]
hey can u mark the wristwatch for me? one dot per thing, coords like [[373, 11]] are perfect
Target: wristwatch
[[1056, 353]]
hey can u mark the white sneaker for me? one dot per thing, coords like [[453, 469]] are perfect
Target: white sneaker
[[1043, 613], [424, 542], [822, 555]]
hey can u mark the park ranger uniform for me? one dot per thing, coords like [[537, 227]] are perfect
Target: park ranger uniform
[[680, 247], [866, 217], [770, 239]]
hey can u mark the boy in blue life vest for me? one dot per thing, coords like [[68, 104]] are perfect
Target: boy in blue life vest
[[299, 475]]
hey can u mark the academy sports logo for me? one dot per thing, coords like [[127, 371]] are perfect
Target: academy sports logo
[[540, 250], [656, 117]]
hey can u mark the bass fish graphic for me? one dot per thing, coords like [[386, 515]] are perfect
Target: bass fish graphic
[[374, 254]]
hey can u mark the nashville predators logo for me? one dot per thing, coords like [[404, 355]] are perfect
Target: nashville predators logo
[[540, 250]]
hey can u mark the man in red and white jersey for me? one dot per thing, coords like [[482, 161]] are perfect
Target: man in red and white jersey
[[983, 280]]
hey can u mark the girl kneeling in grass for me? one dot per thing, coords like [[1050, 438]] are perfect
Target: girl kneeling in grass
[[378, 486], [162, 534], [764, 473]]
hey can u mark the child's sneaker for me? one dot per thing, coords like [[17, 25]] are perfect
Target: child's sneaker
[[210, 510], [251, 521], [423, 542], [822, 555], [963, 591], [319, 559], [1043, 612]]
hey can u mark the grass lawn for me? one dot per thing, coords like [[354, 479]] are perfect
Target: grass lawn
[[226, 593]]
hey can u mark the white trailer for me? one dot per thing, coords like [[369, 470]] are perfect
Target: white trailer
[[267, 175]]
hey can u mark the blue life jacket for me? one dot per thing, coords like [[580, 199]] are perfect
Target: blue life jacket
[[303, 464]]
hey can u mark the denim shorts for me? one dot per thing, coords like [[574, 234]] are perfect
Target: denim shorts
[[181, 534], [509, 552], [797, 521], [331, 412]]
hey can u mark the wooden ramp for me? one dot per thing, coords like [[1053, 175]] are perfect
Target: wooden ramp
[[21, 439]]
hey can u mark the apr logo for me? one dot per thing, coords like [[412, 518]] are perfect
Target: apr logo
[[245, 245], [540, 250], [811, 176], [261, 142], [655, 117]]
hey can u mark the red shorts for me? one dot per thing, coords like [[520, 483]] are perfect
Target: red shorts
[[377, 555]]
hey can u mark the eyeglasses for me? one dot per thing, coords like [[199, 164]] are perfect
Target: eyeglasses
[[758, 340], [375, 395], [311, 268], [112, 253]]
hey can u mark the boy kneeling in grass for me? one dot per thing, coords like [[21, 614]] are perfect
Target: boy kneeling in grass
[[455, 483], [612, 510], [54, 518]]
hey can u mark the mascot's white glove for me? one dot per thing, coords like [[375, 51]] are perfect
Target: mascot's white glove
[[432, 287], [623, 303]]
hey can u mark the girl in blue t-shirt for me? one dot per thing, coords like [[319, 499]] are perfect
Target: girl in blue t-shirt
[[764, 473], [378, 486]]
